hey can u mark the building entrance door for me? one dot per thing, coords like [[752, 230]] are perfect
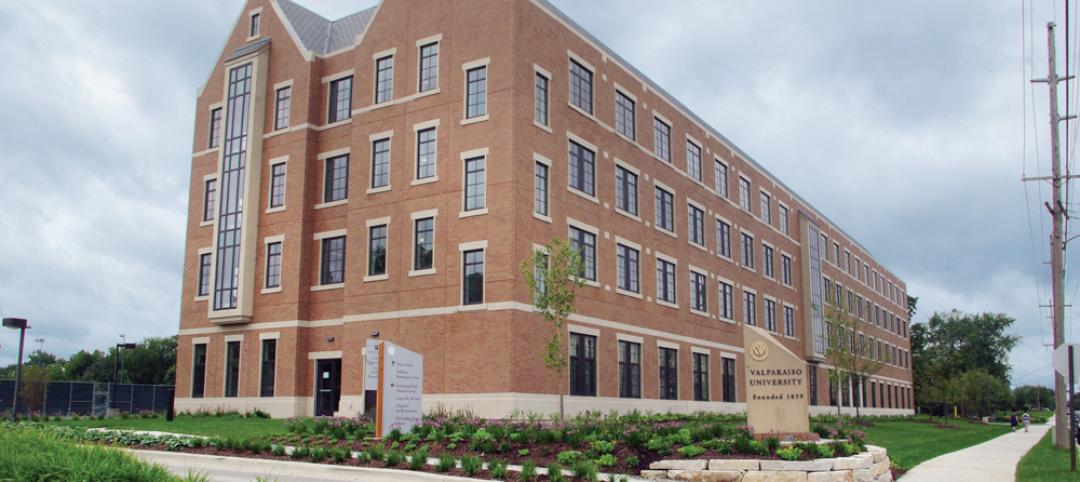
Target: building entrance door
[[327, 387]]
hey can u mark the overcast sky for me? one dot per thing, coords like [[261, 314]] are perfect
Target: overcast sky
[[907, 123]]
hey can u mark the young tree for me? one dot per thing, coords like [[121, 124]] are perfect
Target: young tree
[[851, 353], [553, 275]]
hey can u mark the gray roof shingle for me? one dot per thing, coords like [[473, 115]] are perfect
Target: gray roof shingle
[[320, 35]]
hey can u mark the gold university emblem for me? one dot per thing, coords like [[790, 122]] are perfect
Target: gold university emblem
[[759, 350]]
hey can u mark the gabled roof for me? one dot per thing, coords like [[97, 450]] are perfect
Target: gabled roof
[[321, 35]]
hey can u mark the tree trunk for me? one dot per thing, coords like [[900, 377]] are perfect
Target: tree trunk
[[839, 393], [855, 389], [562, 408]]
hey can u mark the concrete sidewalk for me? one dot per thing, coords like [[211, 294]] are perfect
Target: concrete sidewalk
[[991, 461], [237, 469]]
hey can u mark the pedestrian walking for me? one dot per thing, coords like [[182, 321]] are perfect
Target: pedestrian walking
[[1012, 421], [1027, 421]]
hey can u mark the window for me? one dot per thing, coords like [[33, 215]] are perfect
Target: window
[[744, 194], [332, 264], [669, 373], [380, 163], [747, 250], [340, 100], [209, 199], [701, 377], [472, 286], [811, 380], [540, 201], [661, 139], [424, 239], [665, 210], [696, 224], [836, 253], [767, 261], [230, 208], [629, 369], [384, 79], [538, 273], [336, 180], [727, 306], [665, 281], [253, 28], [784, 224], [475, 192], [624, 115], [582, 365], [627, 268], [789, 321], [766, 207], [425, 153], [582, 168], [277, 185], [729, 380], [723, 239], [269, 364], [626, 190], [581, 86], [198, 370], [770, 315], [541, 108], [699, 300], [282, 101], [204, 275], [232, 368], [476, 92], [847, 262], [693, 160], [720, 178], [215, 128], [785, 270], [429, 67], [273, 265], [585, 243], [749, 308], [377, 250]]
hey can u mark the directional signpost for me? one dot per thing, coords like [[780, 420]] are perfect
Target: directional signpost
[[400, 385], [1065, 360]]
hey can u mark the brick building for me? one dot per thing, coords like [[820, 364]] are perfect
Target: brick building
[[387, 173]]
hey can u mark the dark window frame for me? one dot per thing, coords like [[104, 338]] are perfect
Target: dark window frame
[[472, 289], [339, 106], [267, 367], [700, 364], [585, 242], [582, 350], [384, 79], [629, 369], [277, 184], [378, 244], [625, 115], [332, 261], [282, 107], [581, 86], [626, 193], [198, 370], [336, 178], [582, 168], [628, 268], [476, 92], [669, 373], [273, 265], [428, 67], [424, 243]]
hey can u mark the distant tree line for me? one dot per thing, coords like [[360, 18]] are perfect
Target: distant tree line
[[961, 360], [152, 361]]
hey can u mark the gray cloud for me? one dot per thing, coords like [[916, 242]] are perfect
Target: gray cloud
[[901, 121]]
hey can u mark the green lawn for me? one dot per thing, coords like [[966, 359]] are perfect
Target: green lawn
[[915, 440], [1045, 463], [225, 427]]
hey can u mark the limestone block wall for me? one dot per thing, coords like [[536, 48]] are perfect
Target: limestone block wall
[[871, 466]]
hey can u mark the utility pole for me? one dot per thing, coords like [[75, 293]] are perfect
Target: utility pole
[[1057, 241]]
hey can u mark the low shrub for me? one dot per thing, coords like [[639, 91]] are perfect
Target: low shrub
[[607, 460], [394, 458], [471, 465], [528, 471], [497, 469], [691, 451], [789, 453], [445, 463], [555, 473], [377, 452], [568, 457], [419, 459], [585, 470]]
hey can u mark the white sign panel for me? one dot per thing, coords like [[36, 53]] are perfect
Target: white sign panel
[[371, 365], [1061, 359], [401, 390]]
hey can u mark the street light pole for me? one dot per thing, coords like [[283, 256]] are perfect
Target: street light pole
[[21, 325]]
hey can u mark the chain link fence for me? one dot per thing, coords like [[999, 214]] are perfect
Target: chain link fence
[[90, 398]]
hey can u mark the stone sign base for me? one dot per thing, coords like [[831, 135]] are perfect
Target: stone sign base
[[871, 466]]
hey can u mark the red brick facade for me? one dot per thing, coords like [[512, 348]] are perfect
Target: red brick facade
[[488, 356]]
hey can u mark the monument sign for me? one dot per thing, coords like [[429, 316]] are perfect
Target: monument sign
[[401, 386], [776, 392]]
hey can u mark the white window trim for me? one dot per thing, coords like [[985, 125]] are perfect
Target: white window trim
[[250, 15], [414, 216], [420, 43], [674, 197], [661, 256], [719, 314], [472, 154], [198, 257], [538, 70], [372, 139], [592, 97], [225, 364], [375, 58], [202, 209], [626, 92], [271, 163], [465, 68], [667, 344], [370, 223], [431, 124], [629, 167], [571, 137], [267, 241], [462, 248], [629, 338], [636, 246], [547, 162], [574, 223], [318, 274], [705, 273], [704, 215]]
